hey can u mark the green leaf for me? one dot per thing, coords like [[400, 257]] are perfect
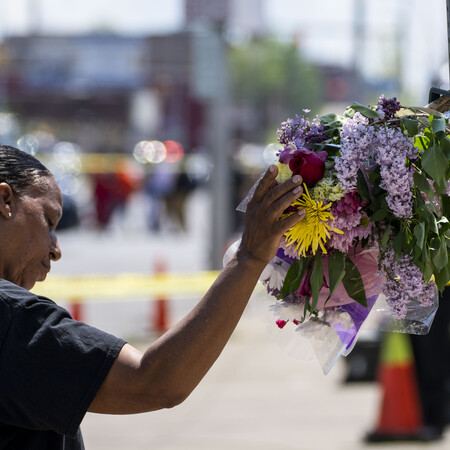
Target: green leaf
[[446, 205], [331, 120], [294, 277], [419, 234], [365, 111], [379, 215], [353, 283], [442, 277], [432, 223], [410, 125], [440, 187], [439, 253], [362, 188], [421, 181], [424, 213], [421, 142], [435, 163], [336, 271], [438, 124], [398, 244], [386, 236], [445, 146], [316, 279], [427, 266]]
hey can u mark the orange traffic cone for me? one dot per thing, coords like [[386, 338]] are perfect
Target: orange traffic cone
[[77, 310], [400, 417], [160, 310]]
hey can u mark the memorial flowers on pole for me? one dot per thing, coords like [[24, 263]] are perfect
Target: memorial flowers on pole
[[376, 196]]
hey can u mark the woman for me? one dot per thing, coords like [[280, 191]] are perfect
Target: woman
[[54, 369]]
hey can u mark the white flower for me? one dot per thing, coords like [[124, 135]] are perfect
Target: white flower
[[274, 273]]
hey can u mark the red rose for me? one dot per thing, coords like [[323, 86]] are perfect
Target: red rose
[[309, 165]]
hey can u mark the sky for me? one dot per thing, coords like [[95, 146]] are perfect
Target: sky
[[413, 29]]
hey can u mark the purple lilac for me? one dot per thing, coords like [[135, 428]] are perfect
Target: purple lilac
[[389, 106], [292, 131], [316, 133], [404, 281], [300, 131], [392, 149], [356, 140]]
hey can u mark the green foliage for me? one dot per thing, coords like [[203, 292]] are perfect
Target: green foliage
[[294, 277], [271, 79], [365, 111], [336, 271], [353, 283], [316, 279]]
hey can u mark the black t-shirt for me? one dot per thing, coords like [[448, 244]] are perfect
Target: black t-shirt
[[51, 368]]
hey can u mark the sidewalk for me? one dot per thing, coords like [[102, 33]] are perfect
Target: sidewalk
[[255, 398]]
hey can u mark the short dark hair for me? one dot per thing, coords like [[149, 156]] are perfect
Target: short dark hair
[[19, 169]]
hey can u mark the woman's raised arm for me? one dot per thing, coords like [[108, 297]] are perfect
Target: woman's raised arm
[[168, 371]]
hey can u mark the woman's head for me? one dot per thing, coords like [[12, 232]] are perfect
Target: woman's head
[[30, 208], [20, 170]]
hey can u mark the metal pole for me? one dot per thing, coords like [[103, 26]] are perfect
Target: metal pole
[[359, 17], [219, 142], [448, 34]]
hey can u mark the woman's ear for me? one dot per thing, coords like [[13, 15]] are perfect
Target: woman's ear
[[6, 197]]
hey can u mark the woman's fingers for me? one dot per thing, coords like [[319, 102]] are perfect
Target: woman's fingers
[[290, 221], [263, 224], [265, 184], [280, 196]]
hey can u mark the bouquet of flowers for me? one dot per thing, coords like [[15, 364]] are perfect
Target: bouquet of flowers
[[376, 196]]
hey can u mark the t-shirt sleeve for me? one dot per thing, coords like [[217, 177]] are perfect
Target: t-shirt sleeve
[[51, 367]]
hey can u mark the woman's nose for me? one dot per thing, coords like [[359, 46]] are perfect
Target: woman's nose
[[55, 250]]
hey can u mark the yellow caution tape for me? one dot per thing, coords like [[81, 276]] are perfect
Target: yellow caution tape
[[123, 287], [94, 288]]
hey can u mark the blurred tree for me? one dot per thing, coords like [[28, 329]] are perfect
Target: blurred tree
[[270, 81]]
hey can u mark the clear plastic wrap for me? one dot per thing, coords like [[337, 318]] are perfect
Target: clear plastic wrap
[[335, 330]]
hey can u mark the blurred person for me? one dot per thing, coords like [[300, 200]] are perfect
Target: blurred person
[[159, 185], [104, 198], [431, 351], [112, 192], [431, 355], [175, 201], [55, 369]]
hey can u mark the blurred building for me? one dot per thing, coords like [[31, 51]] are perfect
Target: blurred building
[[110, 88]]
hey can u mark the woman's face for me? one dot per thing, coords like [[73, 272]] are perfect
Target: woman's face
[[31, 242]]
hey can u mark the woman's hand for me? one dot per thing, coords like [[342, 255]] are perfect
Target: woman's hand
[[263, 226]]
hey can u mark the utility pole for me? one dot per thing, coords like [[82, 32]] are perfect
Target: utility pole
[[448, 35], [359, 15], [210, 82]]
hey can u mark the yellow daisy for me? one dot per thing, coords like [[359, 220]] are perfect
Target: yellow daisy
[[314, 229]]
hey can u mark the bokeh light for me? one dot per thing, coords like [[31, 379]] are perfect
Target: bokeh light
[[66, 157], [199, 167], [68, 184], [154, 152], [270, 153], [8, 124], [175, 151], [28, 143], [250, 156]]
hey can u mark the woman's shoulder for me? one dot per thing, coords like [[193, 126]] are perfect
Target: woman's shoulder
[[14, 298]]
